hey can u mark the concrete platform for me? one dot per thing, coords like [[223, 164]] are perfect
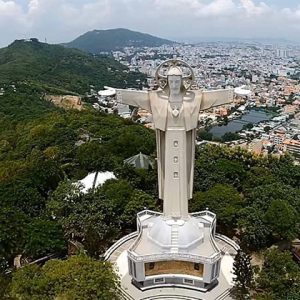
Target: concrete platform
[[118, 255]]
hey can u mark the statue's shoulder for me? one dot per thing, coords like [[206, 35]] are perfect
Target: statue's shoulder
[[190, 96], [197, 92], [160, 94]]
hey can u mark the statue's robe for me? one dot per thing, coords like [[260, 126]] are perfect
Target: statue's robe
[[187, 120]]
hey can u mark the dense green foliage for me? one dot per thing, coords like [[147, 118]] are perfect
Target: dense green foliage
[[59, 69], [39, 151], [243, 279], [280, 276], [78, 278], [97, 41], [97, 218], [259, 197]]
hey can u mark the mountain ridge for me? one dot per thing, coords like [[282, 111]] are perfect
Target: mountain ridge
[[97, 41], [61, 68]]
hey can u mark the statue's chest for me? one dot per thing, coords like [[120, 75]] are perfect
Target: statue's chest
[[175, 116], [165, 116]]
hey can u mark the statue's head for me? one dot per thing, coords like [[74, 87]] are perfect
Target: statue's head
[[175, 82], [174, 76]]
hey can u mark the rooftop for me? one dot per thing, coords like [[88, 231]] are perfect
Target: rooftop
[[190, 239]]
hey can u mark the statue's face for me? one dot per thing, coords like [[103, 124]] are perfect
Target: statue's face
[[175, 82]]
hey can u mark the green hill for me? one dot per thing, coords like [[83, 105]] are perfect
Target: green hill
[[115, 39], [54, 66]]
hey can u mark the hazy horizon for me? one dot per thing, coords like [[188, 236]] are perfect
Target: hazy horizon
[[59, 21]]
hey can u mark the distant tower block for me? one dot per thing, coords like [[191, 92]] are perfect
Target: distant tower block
[[175, 248]]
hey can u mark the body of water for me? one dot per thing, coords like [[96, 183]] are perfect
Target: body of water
[[254, 116]]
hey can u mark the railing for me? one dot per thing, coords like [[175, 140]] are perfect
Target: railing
[[120, 242], [224, 295], [139, 225], [124, 295], [180, 256], [38, 261], [170, 296], [213, 224], [227, 240], [204, 213], [183, 256], [148, 212]]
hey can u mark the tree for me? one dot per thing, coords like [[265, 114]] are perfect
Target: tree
[[267, 129], [243, 280], [291, 98], [43, 237], [225, 118], [230, 136], [262, 196], [21, 193], [139, 201], [285, 170], [280, 275], [232, 171], [255, 232], [131, 140], [141, 179], [294, 294], [215, 164], [93, 156], [12, 232], [258, 176], [88, 218], [248, 126], [205, 135], [283, 219], [223, 200], [77, 278], [4, 287], [117, 193]]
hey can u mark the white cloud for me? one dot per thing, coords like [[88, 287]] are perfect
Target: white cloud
[[255, 10], [218, 8], [63, 20]]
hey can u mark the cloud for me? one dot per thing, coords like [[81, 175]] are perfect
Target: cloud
[[63, 20], [252, 9], [218, 8]]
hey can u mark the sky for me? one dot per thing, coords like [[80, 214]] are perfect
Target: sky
[[58, 21]]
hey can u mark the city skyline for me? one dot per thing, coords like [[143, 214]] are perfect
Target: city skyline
[[181, 20]]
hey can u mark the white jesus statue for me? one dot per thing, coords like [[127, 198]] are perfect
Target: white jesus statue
[[175, 110]]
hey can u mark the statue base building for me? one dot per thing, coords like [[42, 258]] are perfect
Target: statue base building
[[175, 251], [174, 259]]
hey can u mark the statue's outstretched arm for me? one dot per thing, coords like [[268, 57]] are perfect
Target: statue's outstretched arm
[[216, 98], [135, 98]]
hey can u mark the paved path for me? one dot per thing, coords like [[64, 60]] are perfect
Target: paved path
[[113, 258]]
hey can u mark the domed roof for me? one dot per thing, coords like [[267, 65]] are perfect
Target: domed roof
[[175, 234]]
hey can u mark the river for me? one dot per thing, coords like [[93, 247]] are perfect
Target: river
[[254, 116]]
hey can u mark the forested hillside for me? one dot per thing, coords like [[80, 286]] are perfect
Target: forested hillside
[[39, 159], [44, 150], [60, 69]]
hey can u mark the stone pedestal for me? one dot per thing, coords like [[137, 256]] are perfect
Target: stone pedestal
[[175, 251]]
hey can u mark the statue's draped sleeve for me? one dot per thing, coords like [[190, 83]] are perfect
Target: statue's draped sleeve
[[135, 98], [216, 98]]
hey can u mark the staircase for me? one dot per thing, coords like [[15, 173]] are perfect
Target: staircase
[[174, 238]]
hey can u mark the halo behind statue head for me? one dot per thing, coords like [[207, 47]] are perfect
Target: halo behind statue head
[[174, 67]]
